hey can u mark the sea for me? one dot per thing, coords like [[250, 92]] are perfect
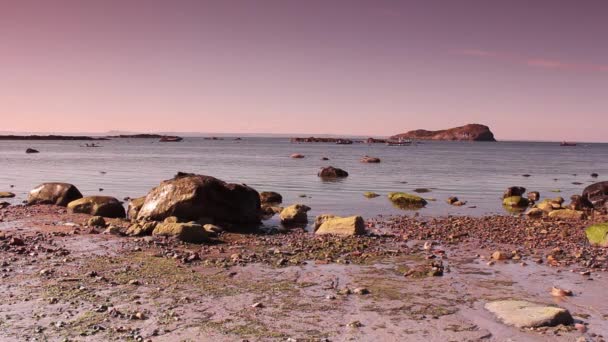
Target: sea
[[475, 172]]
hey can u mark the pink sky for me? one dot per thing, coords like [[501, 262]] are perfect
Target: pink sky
[[534, 70]]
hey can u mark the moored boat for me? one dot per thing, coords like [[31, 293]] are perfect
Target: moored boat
[[170, 138], [400, 142], [565, 143]]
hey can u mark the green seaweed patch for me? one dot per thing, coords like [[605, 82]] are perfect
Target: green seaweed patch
[[406, 201], [597, 234]]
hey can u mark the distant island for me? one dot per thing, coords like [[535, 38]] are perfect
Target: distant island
[[136, 136], [50, 137], [470, 132]]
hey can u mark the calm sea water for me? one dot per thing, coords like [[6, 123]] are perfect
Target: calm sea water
[[475, 172]]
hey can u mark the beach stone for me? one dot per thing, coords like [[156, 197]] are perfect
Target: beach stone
[[6, 194], [368, 159], [269, 211], [524, 314], [172, 219], [53, 193], [31, 150], [597, 234], [297, 156], [406, 200], [105, 206], [515, 201], [348, 226], [295, 214], [332, 172], [499, 255], [596, 194], [548, 205], [577, 202], [370, 194], [141, 228], [270, 197], [187, 232], [212, 229], [534, 196], [451, 200], [135, 205], [559, 200], [567, 214], [96, 221], [191, 197], [535, 212], [514, 191]]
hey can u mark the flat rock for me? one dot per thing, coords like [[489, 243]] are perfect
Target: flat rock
[[524, 314]]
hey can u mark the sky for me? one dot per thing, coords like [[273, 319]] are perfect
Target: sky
[[531, 70]]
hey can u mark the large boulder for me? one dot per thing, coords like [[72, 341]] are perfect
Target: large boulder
[[596, 194], [332, 172], [135, 205], [567, 214], [405, 200], [270, 197], [104, 206], [515, 202], [295, 214], [190, 197], [329, 224], [523, 314], [514, 191], [53, 193], [597, 234], [187, 232], [578, 202]]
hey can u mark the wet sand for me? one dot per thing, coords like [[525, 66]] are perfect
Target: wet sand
[[68, 281]]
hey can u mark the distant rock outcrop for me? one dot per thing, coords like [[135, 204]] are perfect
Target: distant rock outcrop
[[471, 132]]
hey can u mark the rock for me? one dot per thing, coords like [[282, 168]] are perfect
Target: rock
[[499, 255], [329, 224], [577, 202], [422, 190], [173, 219], [596, 194], [594, 175], [370, 194], [297, 156], [514, 191], [269, 211], [324, 158], [368, 159], [141, 228], [470, 132], [559, 200], [535, 212], [53, 193], [191, 197], [270, 197], [135, 205], [4, 205], [5, 194], [452, 199], [567, 214], [96, 221], [548, 205], [597, 234], [534, 196], [112, 230], [212, 229], [31, 150], [515, 202], [361, 291], [557, 292], [295, 214], [332, 172], [105, 206], [523, 314], [187, 232], [405, 200]]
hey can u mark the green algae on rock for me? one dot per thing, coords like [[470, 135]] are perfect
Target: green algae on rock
[[406, 201], [597, 234]]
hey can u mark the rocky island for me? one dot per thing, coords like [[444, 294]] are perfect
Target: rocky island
[[470, 132], [49, 137]]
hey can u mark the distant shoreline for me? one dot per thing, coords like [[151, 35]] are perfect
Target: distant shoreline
[[51, 137]]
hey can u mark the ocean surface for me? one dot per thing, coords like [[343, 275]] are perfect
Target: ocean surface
[[476, 172]]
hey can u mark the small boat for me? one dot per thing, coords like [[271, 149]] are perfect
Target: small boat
[[90, 145], [170, 138], [344, 142], [400, 142], [565, 143]]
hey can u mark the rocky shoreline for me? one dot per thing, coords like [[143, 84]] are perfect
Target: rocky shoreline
[[189, 264], [51, 137]]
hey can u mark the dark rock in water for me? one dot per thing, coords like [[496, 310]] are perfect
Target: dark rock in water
[[267, 197], [526, 175], [104, 206], [471, 132], [577, 183], [578, 202], [452, 200], [31, 150], [324, 158], [190, 197], [596, 194], [514, 191], [4, 205], [332, 172], [422, 190], [534, 196], [5, 194], [54, 193], [594, 175], [368, 159]]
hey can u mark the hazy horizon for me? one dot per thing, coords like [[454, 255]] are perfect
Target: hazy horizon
[[535, 71]]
